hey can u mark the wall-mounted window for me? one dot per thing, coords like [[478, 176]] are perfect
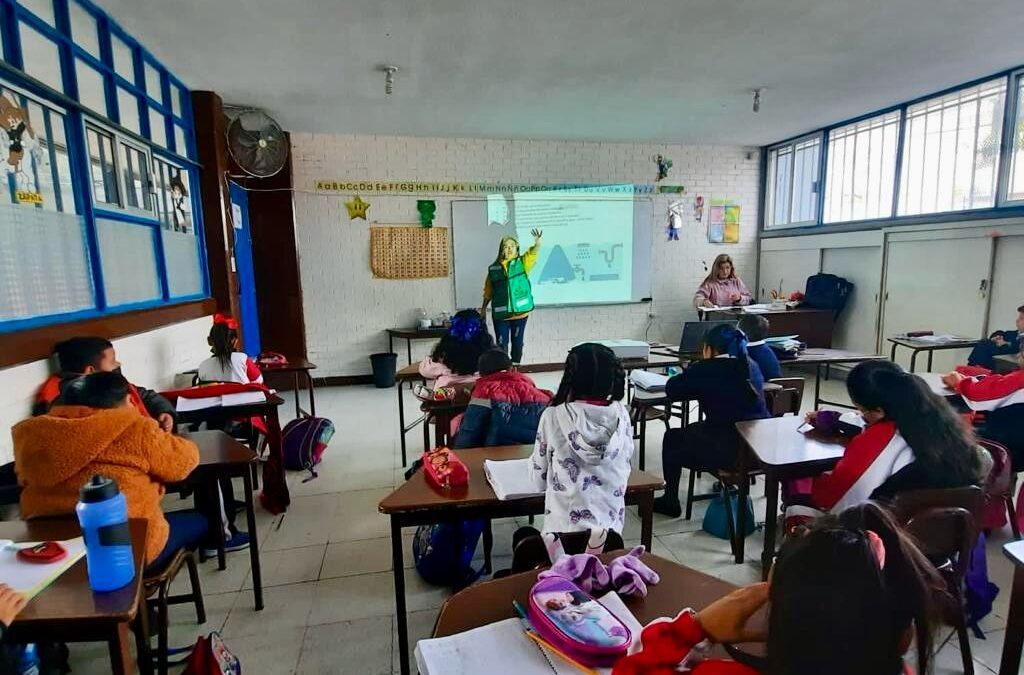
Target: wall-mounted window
[[861, 169], [951, 151], [1015, 183], [91, 88], [43, 9], [84, 30], [102, 169], [792, 182], [40, 56], [135, 173]]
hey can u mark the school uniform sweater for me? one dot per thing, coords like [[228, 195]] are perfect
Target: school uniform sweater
[[239, 368], [764, 356], [723, 389], [581, 462], [871, 458], [1001, 398]]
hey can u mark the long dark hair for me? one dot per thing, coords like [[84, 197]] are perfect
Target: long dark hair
[[834, 609], [592, 371], [944, 450], [222, 342], [466, 340], [724, 339]]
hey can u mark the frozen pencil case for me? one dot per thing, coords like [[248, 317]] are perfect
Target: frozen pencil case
[[576, 624]]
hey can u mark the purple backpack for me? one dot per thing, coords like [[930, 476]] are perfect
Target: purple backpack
[[303, 442]]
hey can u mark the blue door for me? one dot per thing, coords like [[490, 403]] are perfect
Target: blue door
[[249, 318]]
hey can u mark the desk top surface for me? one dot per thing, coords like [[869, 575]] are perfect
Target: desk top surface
[[69, 598], [811, 355], [418, 333], [216, 447], [294, 363], [261, 407], [776, 442], [1015, 552], [654, 360], [732, 311], [416, 494], [916, 343], [491, 601]]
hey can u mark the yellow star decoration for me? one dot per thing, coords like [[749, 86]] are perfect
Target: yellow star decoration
[[357, 208]]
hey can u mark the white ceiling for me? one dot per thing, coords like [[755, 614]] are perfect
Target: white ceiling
[[650, 70]]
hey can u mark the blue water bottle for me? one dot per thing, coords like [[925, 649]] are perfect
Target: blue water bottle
[[103, 515]]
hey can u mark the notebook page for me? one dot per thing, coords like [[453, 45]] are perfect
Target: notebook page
[[511, 478]]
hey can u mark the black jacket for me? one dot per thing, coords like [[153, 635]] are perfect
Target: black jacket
[[723, 388]]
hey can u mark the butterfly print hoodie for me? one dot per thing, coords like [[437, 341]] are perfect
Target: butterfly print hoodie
[[581, 462]]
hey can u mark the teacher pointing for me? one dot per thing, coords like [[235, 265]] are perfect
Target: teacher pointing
[[508, 285], [722, 288]]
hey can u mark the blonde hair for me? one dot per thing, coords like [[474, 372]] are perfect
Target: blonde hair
[[720, 260], [501, 245]]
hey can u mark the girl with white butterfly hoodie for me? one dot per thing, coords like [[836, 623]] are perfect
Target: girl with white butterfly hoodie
[[584, 445]]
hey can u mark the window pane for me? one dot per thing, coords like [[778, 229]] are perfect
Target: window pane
[[1015, 188], [180, 142], [40, 177], [41, 58], [780, 167], [101, 167], [91, 93], [176, 98], [951, 151], [157, 128], [83, 29], [128, 106], [805, 181], [861, 169], [153, 89], [44, 268], [181, 256], [41, 8], [174, 200], [124, 63], [128, 261], [135, 168]]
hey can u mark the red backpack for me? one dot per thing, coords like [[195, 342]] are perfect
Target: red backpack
[[211, 656]]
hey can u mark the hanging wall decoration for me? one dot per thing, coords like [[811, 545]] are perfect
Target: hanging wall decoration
[[357, 208], [675, 219], [698, 208], [724, 222], [24, 156], [664, 164], [409, 252], [426, 209]]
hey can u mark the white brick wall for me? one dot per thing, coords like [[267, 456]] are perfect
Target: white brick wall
[[347, 310], [148, 359]]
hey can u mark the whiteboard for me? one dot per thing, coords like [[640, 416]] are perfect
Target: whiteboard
[[475, 244]]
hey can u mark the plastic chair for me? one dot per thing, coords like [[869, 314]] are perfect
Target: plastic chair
[[999, 484]]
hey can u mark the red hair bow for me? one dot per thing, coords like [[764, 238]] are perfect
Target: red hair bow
[[226, 320]]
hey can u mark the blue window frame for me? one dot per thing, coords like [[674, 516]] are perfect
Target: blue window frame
[[955, 154], [100, 213]]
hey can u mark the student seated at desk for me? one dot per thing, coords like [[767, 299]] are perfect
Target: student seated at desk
[[1002, 399], [756, 327], [584, 444], [1000, 342], [96, 430], [722, 288], [454, 359], [227, 364], [850, 597], [83, 355], [729, 387], [913, 441], [505, 408]]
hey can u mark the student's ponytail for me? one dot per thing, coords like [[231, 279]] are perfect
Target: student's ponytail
[[724, 339], [222, 339]]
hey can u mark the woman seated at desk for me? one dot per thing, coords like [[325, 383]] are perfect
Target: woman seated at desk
[[722, 288]]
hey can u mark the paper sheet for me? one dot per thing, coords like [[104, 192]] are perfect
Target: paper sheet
[[32, 578], [511, 478], [227, 400]]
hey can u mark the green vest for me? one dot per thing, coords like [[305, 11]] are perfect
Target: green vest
[[510, 293]]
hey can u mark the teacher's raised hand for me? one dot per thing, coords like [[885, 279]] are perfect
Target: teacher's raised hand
[[537, 234]]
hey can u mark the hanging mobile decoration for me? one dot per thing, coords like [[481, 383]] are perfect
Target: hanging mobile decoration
[[426, 208], [698, 208], [357, 208], [675, 219], [664, 164]]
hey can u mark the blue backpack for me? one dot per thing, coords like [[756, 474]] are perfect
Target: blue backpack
[[443, 553], [716, 521]]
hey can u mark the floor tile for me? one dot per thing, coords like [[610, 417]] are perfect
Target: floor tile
[[348, 598], [290, 566], [351, 558], [276, 653], [356, 516], [306, 523], [359, 647], [420, 626], [285, 607]]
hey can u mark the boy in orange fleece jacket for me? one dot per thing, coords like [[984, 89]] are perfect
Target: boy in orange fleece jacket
[[96, 430]]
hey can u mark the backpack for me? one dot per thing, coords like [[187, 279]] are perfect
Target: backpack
[[303, 442], [827, 291], [997, 484], [211, 656], [443, 553], [716, 522]]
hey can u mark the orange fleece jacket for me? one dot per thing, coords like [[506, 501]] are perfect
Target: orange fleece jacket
[[55, 454]]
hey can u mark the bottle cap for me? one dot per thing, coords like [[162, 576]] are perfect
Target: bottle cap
[[98, 489]]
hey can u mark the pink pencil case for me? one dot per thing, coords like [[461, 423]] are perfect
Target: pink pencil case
[[576, 624]]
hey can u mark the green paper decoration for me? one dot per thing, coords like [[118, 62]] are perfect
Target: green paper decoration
[[426, 208]]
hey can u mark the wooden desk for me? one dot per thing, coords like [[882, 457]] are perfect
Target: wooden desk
[[782, 453], [410, 334], [416, 502], [68, 610], [296, 366], [221, 456], [273, 469], [1013, 641], [491, 601], [814, 326], [915, 345]]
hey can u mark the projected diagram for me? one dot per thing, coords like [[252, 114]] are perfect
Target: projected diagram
[[586, 262]]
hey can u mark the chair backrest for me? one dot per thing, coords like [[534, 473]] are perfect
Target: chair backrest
[[531, 552], [945, 522], [784, 395]]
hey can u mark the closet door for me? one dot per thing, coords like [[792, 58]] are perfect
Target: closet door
[[788, 268], [937, 284], [857, 327], [1007, 283]]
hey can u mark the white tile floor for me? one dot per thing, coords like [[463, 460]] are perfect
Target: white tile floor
[[327, 565]]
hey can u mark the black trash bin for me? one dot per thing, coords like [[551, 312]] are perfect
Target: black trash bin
[[384, 365]]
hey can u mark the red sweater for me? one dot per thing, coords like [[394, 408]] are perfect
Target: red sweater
[[993, 391], [869, 460], [667, 643]]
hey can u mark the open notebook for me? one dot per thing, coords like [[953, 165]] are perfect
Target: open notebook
[[502, 648], [510, 478], [227, 400]]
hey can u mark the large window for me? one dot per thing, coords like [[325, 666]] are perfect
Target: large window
[[97, 212], [1015, 184], [951, 151], [861, 169], [793, 183]]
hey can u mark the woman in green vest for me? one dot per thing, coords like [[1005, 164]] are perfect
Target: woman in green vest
[[507, 286]]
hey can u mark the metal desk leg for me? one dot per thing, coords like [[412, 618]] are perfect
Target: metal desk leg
[[741, 511], [295, 382], [408, 349], [391, 343], [892, 355], [931, 353], [1014, 639], [817, 386], [398, 565], [488, 546], [312, 401], [913, 360], [254, 546], [646, 509], [401, 421], [771, 491], [643, 437]]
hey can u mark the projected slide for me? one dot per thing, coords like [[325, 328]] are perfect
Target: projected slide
[[587, 252]]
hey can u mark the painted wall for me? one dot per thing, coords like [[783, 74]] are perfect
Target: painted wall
[[347, 310], [148, 359]]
